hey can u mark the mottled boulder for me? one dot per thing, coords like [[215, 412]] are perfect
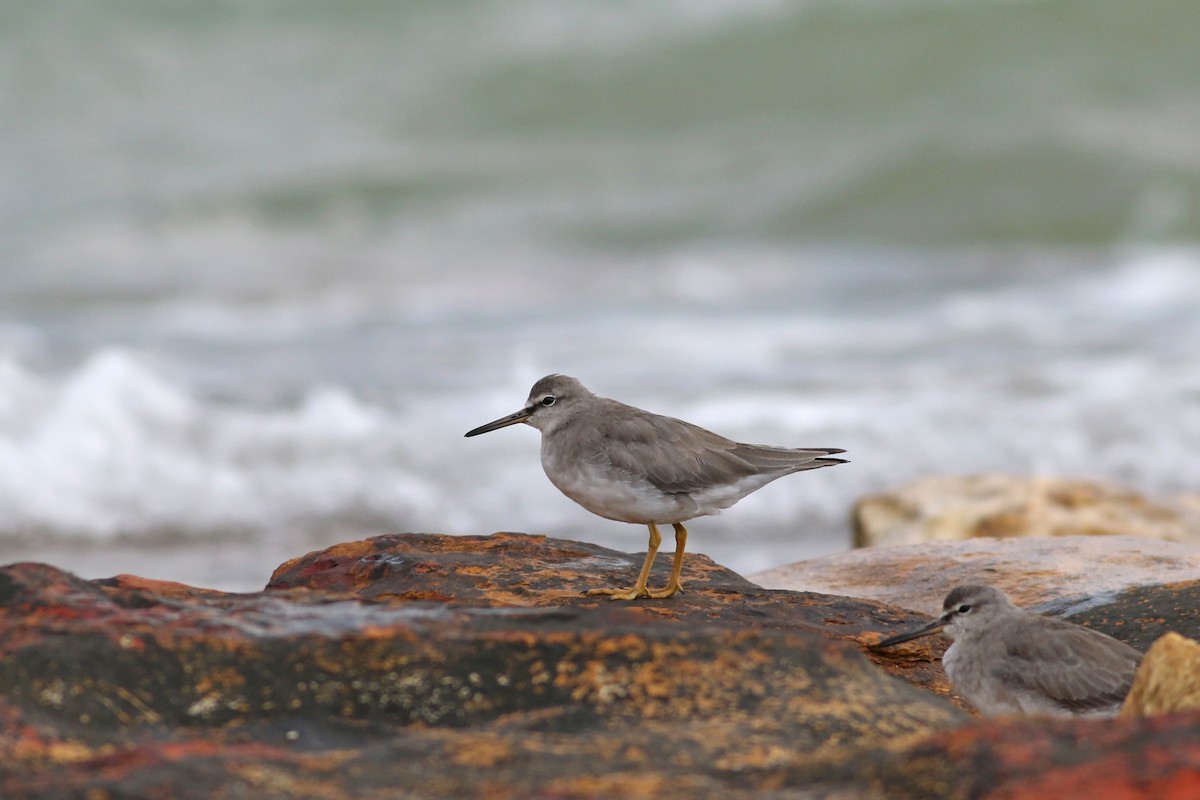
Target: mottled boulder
[[1168, 679], [1004, 506], [511, 569], [430, 667], [1021, 759], [515, 569], [1053, 574], [442, 667], [1013, 759]]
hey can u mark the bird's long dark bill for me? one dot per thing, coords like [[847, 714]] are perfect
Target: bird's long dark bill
[[924, 630], [503, 422]]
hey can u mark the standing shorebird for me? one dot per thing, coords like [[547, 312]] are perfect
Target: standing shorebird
[[1005, 660], [630, 465]]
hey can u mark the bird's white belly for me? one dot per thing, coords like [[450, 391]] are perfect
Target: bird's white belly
[[617, 496]]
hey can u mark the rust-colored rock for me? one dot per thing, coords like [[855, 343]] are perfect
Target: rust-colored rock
[[311, 688], [442, 667], [1004, 506], [1168, 679], [1155, 759], [516, 569], [1022, 759]]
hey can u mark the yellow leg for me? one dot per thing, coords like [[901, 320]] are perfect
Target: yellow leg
[[639, 589], [674, 586]]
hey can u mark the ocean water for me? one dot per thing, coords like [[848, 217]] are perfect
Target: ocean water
[[263, 263]]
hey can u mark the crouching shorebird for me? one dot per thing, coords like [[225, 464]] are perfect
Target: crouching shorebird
[[630, 465], [1005, 660]]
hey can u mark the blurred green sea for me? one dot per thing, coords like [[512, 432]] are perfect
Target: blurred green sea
[[262, 262]]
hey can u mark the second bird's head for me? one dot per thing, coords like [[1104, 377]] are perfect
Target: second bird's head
[[966, 610], [550, 402]]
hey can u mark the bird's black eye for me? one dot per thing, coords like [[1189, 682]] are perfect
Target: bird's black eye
[[549, 400], [964, 608]]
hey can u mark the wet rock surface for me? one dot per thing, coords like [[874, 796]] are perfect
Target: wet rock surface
[[433, 666], [464, 662]]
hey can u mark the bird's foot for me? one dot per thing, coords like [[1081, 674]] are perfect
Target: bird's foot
[[638, 592], [667, 591], [622, 594]]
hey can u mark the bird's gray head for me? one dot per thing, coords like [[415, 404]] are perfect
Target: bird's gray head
[[965, 611], [551, 400], [972, 608]]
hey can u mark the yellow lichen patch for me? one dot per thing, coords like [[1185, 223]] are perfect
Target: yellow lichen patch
[[521, 597], [629, 645], [869, 638], [283, 780], [671, 679], [484, 752], [628, 787], [35, 749], [220, 679], [758, 755], [1168, 679]]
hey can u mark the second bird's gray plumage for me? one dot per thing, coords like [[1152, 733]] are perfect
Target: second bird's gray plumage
[[1006, 660]]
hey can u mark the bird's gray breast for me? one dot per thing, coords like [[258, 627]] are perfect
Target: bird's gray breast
[[970, 664], [582, 471]]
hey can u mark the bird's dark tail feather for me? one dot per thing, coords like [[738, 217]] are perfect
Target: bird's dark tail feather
[[825, 462]]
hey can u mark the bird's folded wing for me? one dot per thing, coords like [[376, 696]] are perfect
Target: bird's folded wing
[[1078, 669], [677, 456]]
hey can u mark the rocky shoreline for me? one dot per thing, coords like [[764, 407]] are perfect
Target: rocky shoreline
[[435, 666]]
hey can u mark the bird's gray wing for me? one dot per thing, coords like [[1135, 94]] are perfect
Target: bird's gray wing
[[1076, 668], [677, 456]]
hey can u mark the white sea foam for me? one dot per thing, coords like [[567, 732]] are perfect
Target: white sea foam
[[116, 451], [1051, 378]]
